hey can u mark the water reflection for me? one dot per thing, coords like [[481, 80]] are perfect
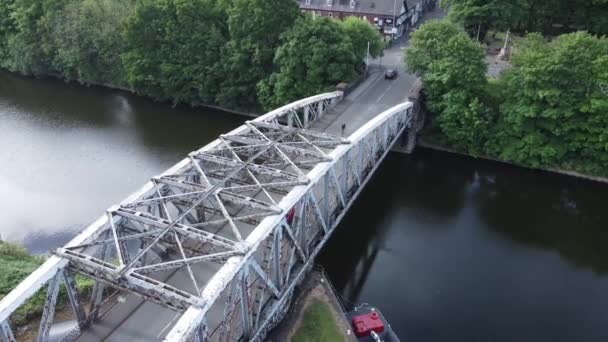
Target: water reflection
[[558, 213], [68, 152], [456, 249]]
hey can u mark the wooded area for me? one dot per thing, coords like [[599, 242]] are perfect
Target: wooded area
[[548, 110], [232, 53]]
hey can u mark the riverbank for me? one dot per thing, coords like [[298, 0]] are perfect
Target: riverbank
[[130, 91], [315, 314], [15, 265], [433, 146]]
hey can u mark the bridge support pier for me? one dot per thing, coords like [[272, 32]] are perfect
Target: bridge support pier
[[408, 140]]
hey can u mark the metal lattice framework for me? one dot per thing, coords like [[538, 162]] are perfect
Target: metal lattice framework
[[238, 223]]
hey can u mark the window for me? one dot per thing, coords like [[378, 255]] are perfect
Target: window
[[353, 3], [308, 2]]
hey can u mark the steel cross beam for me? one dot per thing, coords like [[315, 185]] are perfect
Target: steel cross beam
[[337, 184], [176, 206]]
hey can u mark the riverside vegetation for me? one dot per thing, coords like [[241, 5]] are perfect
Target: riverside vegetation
[[16, 264], [238, 54], [548, 110]]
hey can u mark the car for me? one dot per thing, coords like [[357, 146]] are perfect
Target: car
[[390, 74]]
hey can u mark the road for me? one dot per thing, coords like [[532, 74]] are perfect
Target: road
[[376, 94], [134, 319]]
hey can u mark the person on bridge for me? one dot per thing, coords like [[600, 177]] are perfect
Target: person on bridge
[[343, 128]]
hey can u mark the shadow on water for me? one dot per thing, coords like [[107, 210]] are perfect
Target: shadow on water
[[453, 248], [417, 184], [72, 151], [547, 211]]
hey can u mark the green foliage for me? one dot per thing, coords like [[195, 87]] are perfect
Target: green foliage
[[15, 265], [361, 32], [556, 110], [25, 51], [315, 57], [88, 40], [255, 28], [318, 325], [480, 14], [548, 16], [215, 52], [427, 44], [453, 70], [173, 49]]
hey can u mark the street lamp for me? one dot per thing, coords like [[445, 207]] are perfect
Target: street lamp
[[394, 18]]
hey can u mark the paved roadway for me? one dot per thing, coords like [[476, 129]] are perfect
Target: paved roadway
[[133, 319], [376, 94]]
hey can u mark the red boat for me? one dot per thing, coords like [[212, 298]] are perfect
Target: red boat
[[369, 325]]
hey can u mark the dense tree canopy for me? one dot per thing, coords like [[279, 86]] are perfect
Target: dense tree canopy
[[167, 61], [255, 28], [89, 42], [547, 16], [555, 109], [361, 33], [315, 57], [453, 70], [213, 52]]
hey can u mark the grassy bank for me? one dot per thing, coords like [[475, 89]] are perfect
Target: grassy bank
[[318, 325], [15, 265]]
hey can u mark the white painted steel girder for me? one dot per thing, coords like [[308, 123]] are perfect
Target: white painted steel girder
[[261, 162], [337, 184]]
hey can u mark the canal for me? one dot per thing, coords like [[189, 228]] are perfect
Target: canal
[[450, 248]]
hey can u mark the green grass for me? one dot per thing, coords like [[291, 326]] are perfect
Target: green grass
[[15, 265], [318, 325]]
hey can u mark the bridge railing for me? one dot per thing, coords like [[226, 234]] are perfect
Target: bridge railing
[[53, 274], [251, 293]]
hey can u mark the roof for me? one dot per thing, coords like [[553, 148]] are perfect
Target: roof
[[380, 7]]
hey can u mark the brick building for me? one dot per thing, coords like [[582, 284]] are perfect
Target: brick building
[[380, 13]]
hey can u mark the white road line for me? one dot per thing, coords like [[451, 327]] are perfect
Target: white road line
[[386, 91], [169, 324]]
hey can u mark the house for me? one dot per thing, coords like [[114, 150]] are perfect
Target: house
[[380, 13]]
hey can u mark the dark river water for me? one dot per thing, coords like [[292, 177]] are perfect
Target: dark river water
[[450, 248]]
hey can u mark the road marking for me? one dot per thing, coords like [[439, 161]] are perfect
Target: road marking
[[386, 91], [168, 325]]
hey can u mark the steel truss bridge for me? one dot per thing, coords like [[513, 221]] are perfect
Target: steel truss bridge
[[223, 237]]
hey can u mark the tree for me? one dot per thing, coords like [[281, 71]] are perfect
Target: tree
[[89, 42], [361, 32], [25, 51], [428, 44], [173, 49], [315, 56], [548, 16], [6, 28], [479, 15], [255, 28], [453, 70], [555, 111]]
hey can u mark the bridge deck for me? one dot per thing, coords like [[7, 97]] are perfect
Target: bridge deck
[[213, 248]]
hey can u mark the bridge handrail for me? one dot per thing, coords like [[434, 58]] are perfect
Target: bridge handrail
[[41, 276], [192, 318]]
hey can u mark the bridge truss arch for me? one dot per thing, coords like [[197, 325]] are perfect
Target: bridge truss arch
[[224, 236]]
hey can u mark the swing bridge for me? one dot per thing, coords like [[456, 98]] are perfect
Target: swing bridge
[[213, 248]]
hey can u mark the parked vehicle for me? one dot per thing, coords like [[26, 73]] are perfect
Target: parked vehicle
[[390, 74]]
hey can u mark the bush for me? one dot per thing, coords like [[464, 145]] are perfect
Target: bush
[[15, 265]]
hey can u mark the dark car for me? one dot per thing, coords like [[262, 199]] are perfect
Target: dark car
[[390, 74]]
